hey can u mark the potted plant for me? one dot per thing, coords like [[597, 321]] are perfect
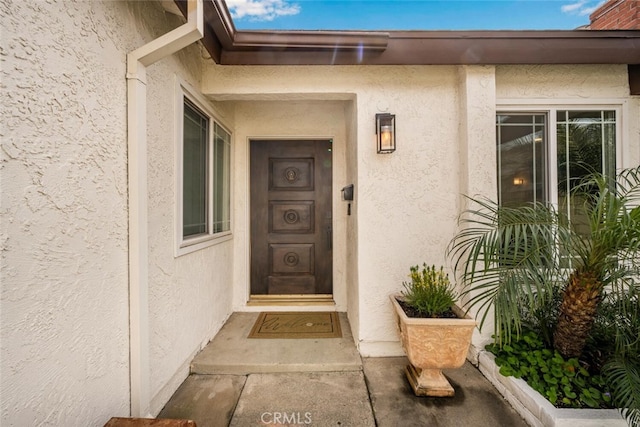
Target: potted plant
[[434, 331], [516, 260]]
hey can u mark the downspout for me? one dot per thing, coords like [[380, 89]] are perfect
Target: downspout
[[137, 63]]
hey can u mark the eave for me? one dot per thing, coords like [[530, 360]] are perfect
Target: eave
[[436, 48], [227, 46]]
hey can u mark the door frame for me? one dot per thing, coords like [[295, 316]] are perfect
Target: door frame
[[294, 299], [302, 117]]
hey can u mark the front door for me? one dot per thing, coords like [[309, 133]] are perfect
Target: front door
[[291, 226]]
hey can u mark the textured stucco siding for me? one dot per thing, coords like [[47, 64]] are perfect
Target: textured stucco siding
[[64, 331], [189, 296], [561, 81], [351, 274], [407, 202], [577, 85], [64, 318]]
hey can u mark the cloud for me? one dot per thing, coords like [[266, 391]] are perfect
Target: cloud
[[261, 10], [582, 7]]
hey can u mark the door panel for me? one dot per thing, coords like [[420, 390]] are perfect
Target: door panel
[[291, 241], [290, 174], [292, 217]]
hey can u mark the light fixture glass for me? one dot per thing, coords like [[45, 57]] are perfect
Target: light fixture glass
[[386, 133]]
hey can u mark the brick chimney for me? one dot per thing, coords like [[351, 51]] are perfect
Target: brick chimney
[[616, 15]]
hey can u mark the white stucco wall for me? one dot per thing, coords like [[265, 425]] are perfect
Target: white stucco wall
[[407, 202], [64, 306], [562, 81], [189, 295], [64, 319], [476, 153], [408, 199], [64, 333], [353, 291], [576, 85]]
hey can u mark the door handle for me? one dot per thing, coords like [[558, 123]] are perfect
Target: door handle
[[330, 237]]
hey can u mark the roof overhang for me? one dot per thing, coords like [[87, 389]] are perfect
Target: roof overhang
[[227, 46]]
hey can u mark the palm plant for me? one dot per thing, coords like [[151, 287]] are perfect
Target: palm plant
[[622, 370], [508, 255]]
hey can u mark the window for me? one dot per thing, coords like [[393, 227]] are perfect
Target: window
[[586, 143], [204, 146], [221, 202], [194, 171], [521, 158], [543, 154]]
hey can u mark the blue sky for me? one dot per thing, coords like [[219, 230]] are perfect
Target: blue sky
[[411, 14]]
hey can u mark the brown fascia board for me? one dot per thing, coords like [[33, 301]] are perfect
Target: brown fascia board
[[310, 40], [453, 48], [218, 27], [228, 46], [217, 16]]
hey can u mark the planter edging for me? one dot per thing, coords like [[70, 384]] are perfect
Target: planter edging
[[538, 411]]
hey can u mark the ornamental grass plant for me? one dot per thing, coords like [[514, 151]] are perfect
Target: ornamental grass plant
[[429, 293]]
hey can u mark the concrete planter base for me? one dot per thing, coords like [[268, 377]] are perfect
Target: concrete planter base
[[538, 411], [432, 345], [428, 382]]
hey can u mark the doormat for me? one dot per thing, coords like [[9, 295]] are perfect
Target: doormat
[[294, 325]]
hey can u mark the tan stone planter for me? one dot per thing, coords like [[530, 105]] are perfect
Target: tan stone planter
[[432, 345]]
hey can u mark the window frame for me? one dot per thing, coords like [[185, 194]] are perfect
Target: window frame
[[550, 108], [545, 157], [185, 245]]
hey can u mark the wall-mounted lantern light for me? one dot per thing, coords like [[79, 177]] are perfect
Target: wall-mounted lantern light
[[386, 132], [518, 181]]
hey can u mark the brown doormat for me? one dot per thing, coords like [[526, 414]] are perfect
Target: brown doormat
[[294, 325]]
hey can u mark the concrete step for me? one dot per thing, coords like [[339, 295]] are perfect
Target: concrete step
[[231, 352]]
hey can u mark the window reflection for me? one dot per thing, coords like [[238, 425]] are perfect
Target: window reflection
[[521, 158]]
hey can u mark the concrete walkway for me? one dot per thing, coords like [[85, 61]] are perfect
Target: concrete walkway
[[241, 382]]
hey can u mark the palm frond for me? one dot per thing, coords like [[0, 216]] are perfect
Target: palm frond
[[614, 221], [628, 184], [623, 376], [506, 255], [622, 372]]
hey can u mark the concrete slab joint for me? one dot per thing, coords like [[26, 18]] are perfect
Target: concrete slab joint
[[282, 382]]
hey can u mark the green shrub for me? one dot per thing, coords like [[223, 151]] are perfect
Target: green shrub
[[430, 292], [565, 383]]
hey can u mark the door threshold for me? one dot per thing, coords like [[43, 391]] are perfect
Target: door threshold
[[301, 299]]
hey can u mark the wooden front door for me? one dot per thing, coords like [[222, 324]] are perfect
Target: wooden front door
[[291, 225]]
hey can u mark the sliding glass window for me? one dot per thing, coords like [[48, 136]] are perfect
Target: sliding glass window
[[522, 145], [586, 142], [195, 168], [533, 160], [221, 159], [204, 171]]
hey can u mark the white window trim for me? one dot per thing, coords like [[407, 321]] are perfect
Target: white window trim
[[620, 106], [188, 245]]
